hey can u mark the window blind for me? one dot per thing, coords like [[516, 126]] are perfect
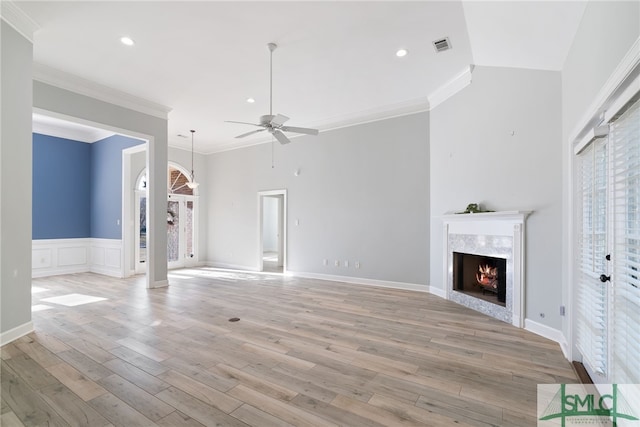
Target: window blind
[[625, 161], [592, 301]]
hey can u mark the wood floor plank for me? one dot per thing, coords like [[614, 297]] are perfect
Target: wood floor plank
[[118, 412], [76, 381], [91, 350], [332, 413], [415, 414], [253, 416], [178, 419], [142, 379], [197, 409], [34, 375], [138, 360], [143, 402], [36, 351], [201, 391], [10, 419], [143, 349], [278, 409], [25, 403], [259, 384], [85, 364], [75, 411]]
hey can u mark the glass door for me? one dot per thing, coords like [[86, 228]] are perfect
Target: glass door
[[181, 231]]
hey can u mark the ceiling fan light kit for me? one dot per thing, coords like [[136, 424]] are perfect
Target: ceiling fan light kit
[[274, 124]]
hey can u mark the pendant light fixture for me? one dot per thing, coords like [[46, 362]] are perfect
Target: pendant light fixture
[[193, 184]]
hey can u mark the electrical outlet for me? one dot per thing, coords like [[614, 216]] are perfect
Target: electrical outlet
[[356, 264], [325, 262], [346, 264], [337, 263]]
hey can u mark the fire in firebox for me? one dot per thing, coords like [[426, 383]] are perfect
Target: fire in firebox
[[487, 277]]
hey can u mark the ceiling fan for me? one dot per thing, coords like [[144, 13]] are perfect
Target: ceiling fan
[[270, 122]]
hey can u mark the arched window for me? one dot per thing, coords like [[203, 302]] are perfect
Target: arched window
[[177, 179]]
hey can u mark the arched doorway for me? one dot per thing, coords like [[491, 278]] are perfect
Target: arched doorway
[[182, 219]]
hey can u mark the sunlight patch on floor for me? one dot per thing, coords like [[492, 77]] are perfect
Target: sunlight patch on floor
[[40, 307], [38, 289], [72, 300]]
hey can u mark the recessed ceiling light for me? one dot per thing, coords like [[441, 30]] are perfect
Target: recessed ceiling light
[[401, 52], [128, 41], [251, 100]]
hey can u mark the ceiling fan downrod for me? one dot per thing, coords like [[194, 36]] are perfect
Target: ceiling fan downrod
[[272, 47]]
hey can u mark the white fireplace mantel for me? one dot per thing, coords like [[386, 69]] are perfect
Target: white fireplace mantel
[[498, 234]]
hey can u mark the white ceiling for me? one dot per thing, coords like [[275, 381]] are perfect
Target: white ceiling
[[335, 63]]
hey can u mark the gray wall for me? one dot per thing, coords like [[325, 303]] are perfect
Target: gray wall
[[121, 119], [15, 179], [362, 195], [606, 33], [475, 158]]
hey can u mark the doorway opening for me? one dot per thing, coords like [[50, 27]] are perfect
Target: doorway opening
[[272, 208], [181, 220]]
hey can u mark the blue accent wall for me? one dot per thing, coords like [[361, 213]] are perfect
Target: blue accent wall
[[61, 188], [106, 185]]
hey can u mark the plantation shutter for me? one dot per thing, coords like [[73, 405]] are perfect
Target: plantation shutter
[[625, 163], [592, 302]]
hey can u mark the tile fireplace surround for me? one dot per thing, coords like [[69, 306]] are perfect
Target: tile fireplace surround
[[492, 234]]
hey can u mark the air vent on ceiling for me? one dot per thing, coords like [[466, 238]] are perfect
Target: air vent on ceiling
[[442, 44]]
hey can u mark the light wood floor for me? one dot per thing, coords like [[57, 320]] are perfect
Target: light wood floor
[[304, 353]]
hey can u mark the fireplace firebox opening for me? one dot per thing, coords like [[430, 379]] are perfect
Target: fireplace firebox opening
[[480, 276]]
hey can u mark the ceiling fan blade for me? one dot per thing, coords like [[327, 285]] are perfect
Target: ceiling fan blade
[[243, 123], [279, 120], [306, 131], [250, 133], [281, 137]]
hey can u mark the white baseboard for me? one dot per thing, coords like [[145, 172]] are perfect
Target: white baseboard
[[15, 333], [439, 292], [159, 284], [361, 281], [216, 264], [549, 333]]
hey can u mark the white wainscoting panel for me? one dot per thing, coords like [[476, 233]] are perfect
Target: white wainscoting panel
[[65, 256], [75, 255], [59, 256], [106, 257]]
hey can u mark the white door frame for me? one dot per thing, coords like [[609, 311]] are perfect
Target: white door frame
[[282, 221], [129, 201]]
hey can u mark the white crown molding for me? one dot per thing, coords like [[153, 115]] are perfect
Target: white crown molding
[[63, 80], [405, 108], [68, 130], [18, 19], [450, 88], [376, 114]]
